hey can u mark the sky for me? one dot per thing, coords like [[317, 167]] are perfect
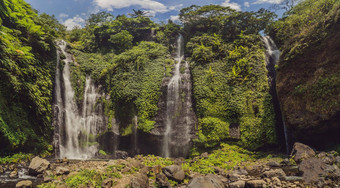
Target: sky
[[74, 12]]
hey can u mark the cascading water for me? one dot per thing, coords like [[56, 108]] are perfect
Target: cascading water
[[75, 131], [178, 118], [272, 57]]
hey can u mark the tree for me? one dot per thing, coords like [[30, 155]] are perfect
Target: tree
[[99, 18], [139, 13], [285, 4]]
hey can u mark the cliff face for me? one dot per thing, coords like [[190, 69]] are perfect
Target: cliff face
[[308, 87]]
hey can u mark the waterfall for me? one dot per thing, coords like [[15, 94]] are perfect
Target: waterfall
[[272, 57], [76, 127], [178, 118]]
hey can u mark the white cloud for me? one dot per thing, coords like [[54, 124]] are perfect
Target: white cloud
[[246, 4], [63, 15], [268, 1], [75, 21], [235, 6], [174, 18], [150, 5]]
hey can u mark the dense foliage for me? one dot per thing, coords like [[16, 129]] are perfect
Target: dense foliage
[[27, 52], [230, 86]]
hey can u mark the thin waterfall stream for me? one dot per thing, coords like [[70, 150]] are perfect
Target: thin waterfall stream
[[272, 57]]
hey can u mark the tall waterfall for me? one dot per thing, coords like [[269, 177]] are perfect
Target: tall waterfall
[[178, 118], [272, 57], [75, 128]]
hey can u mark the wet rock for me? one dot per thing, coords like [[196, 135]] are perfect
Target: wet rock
[[108, 182], [311, 169], [273, 164], [140, 181], [237, 184], [209, 181], [301, 152], [62, 170], [162, 181], [274, 173], [293, 178], [24, 184], [174, 172], [38, 166], [121, 154], [13, 174], [255, 184]]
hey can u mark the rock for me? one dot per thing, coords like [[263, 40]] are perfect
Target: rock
[[209, 181], [1, 170], [24, 184], [237, 184], [240, 172], [273, 164], [337, 159], [174, 172], [291, 170], [332, 171], [274, 173], [156, 169], [311, 169], [121, 154], [276, 181], [162, 181], [293, 178], [48, 173], [204, 155], [48, 179], [62, 170], [38, 166], [301, 152], [107, 183], [285, 162], [255, 184], [13, 174], [140, 181]]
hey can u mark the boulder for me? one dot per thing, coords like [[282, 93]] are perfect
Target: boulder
[[311, 169], [240, 172], [209, 181], [48, 179], [24, 184], [255, 184], [237, 184], [162, 181], [13, 174], [274, 173], [174, 172], [121, 154], [273, 164], [38, 166], [61, 170], [140, 181], [108, 182], [301, 152]]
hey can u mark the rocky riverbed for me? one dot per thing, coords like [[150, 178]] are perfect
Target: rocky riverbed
[[305, 167]]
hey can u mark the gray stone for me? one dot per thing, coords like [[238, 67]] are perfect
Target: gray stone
[[293, 178], [311, 169], [174, 172], [38, 166], [48, 179], [24, 184], [240, 172], [273, 164], [108, 182], [140, 181], [237, 184], [162, 181], [301, 152], [274, 173], [209, 181], [255, 184], [62, 170]]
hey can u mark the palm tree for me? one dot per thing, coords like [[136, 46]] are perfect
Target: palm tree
[[139, 13]]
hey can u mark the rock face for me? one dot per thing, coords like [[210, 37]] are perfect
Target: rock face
[[209, 181], [38, 166], [174, 172], [301, 151], [308, 90], [24, 184]]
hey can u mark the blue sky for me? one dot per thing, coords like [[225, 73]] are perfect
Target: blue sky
[[75, 12]]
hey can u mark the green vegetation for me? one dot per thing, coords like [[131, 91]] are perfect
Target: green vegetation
[[26, 71], [230, 84], [152, 160], [16, 158]]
